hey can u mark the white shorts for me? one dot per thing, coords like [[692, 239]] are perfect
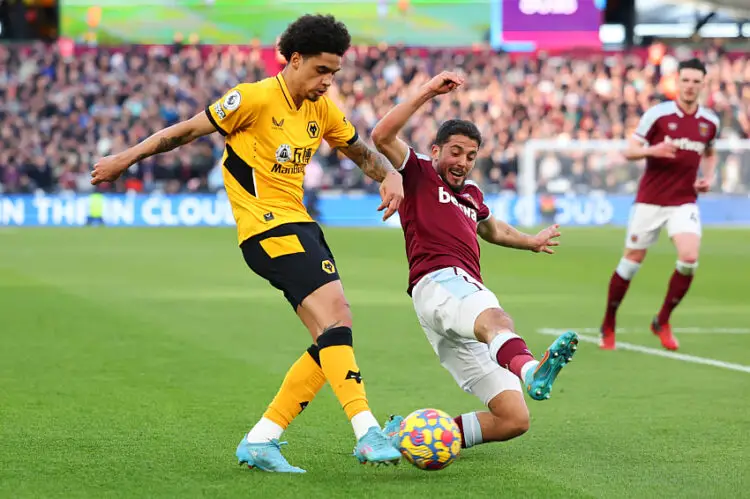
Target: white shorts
[[647, 220], [448, 302]]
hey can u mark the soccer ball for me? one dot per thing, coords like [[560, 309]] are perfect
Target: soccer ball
[[429, 439]]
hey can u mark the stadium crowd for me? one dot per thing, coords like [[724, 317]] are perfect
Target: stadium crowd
[[59, 114]]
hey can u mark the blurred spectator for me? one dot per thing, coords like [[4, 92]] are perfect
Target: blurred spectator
[[59, 114], [312, 184]]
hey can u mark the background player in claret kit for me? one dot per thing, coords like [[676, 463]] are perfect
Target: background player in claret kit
[[675, 138], [273, 128], [471, 334]]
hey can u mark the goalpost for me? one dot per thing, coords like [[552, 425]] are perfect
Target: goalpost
[[603, 158]]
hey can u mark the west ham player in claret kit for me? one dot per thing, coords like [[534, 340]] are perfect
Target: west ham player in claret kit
[[473, 337], [676, 138]]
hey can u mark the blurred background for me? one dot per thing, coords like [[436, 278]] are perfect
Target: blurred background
[[133, 360], [556, 86]]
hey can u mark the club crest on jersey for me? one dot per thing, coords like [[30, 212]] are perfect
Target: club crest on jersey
[[313, 129], [328, 267], [446, 197], [232, 100], [703, 129], [470, 199], [283, 153]]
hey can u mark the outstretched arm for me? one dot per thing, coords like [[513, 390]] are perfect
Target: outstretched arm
[[110, 168], [372, 163], [376, 166], [498, 232], [385, 133]]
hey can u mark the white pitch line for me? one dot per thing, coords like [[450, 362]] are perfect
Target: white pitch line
[[681, 330], [653, 351]]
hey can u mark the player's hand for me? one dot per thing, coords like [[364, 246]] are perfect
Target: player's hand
[[108, 169], [702, 185], [663, 150], [392, 193], [545, 239], [445, 82]]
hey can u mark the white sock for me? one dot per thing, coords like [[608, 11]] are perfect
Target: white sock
[[528, 366], [362, 422], [498, 341], [472, 429], [627, 268], [264, 430], [686, 268]]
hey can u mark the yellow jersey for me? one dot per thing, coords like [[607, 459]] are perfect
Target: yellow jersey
[[268, 144]]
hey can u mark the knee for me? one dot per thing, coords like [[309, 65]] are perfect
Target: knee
[[635, 255], [689, 257], [340, 305], [327, 309], [490, 322], [341, 311], [515, 422], [519, 423]]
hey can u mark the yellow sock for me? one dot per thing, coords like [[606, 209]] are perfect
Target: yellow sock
[[340, 368], [302, 382]]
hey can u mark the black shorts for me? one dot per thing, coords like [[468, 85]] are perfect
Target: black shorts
[[294, 258]]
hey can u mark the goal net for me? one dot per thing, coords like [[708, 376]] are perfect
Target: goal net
[[582, 167], [595, 171]]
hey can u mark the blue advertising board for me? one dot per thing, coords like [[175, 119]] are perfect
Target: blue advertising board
[[142, 210]]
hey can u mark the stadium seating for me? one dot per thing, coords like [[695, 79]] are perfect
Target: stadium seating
[[58, 114]]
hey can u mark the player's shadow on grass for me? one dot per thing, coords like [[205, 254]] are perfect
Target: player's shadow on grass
[[408, 472]]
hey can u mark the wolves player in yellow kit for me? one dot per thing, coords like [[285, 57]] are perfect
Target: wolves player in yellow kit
[[272, 128]]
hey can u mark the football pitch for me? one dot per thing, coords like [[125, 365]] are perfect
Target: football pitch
[[133, 360], [428, 23]]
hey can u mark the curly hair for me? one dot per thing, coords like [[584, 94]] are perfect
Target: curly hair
[[314, 35]]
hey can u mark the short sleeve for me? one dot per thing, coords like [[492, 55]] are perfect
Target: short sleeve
[[339, 131], [235, 110], [412, 161], [484, 212], [647, 126]]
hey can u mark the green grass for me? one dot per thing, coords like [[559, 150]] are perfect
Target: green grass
[[232, 22], [132, 361]]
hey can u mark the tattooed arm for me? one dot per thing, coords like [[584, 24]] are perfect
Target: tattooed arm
[[377, 167], [110, 168], [498, 232], [372, 163]]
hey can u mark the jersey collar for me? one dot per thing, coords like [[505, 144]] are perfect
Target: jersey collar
[[681, 112], [285, 92]]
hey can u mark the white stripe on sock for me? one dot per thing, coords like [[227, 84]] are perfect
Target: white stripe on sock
[[264, 430], [498, 341], [362, 422], [472, 429], [527, 367]]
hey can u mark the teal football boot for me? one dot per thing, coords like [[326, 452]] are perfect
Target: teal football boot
[[392, 429], [265, 456], [539, 380], [375, 448]]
